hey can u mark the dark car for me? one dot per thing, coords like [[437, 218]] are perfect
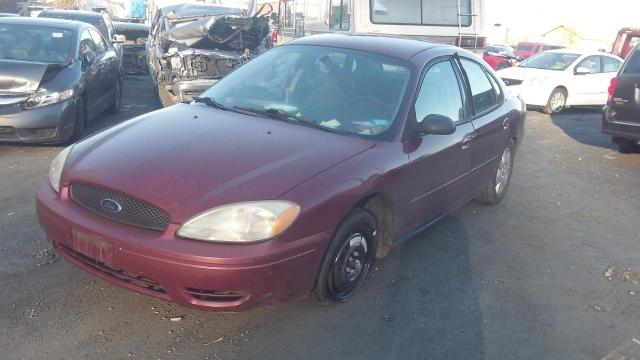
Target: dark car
[[134, 52], [100, 20], [621, 115], [288, 176], [55, 75], [193, 45]]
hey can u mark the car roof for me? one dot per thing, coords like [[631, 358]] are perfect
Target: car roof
[[127, 26], [403, 48], [186, 10], [45, 22], [582, 52], [78, 13]]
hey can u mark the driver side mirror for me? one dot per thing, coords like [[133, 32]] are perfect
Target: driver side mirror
[[118, 39], [88, 57], [582, 71], [437, 125]]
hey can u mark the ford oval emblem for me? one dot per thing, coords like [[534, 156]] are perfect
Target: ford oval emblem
[[111, 206]]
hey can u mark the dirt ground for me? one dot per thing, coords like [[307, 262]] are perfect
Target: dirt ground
[[551, 273]]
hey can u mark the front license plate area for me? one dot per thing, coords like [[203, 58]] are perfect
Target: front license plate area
[[92, 246]]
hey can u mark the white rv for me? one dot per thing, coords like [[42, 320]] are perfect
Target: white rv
[[457, 22]]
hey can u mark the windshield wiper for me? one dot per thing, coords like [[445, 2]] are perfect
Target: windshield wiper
[[210, 102], [279, 114]]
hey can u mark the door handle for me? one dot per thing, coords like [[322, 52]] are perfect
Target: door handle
[[467, 141]]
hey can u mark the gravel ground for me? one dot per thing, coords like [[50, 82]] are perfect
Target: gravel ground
[[551, 273]]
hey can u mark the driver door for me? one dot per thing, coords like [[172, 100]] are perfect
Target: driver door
[[91, 85], [440, 164], [587, 89]]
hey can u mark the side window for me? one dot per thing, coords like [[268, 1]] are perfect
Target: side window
[[101, 45], [440, 93], [340, 15], [633, 62], [610, 65], [484, 92], [86, 43], [592, 63]]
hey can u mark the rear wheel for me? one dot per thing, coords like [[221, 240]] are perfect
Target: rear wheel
[[494, 190], [557, 102], [348, 258], [626, 146]]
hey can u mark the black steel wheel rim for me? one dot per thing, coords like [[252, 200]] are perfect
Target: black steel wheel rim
[[350, 265]]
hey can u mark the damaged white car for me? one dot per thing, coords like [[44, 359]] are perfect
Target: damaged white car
[[191, 46]]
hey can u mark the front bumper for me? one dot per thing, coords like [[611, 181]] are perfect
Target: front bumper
[[51, 123], [618, 128], [218, 277], [185, 91], [531, 95]]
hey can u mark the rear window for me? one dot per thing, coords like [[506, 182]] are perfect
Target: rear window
[[633, 65]]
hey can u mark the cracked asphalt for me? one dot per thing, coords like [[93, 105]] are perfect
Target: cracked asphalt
[[551, 273]]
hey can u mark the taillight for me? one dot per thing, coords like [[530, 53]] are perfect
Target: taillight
[[274, 36], [612, 89]]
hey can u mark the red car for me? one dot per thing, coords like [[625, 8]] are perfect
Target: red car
[[626, 40], [288, 176], [499, 57], [525, 50]]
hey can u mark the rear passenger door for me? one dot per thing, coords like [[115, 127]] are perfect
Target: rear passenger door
[[626, 98], [490, 120]]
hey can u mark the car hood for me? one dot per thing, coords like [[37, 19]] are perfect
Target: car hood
[[189, 158], [20, 77]]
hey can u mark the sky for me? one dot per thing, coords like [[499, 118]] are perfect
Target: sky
[[595, 19]]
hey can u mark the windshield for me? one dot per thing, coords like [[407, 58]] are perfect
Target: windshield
[[550, 61], [34, 43], [501, 50], [341, 90]]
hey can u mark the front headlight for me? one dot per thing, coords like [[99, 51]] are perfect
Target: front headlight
[[241, 222], [55, 170], [44, 97]]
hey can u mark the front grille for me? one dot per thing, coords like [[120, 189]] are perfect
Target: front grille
[[43, 133], [128, 211], [215, 295], [510, 82], [7, 130], [137, 280]]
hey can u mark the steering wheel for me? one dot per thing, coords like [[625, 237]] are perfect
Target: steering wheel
[[370, 100]]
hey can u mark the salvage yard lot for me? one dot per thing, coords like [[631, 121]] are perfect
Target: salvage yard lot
[[550, 273]]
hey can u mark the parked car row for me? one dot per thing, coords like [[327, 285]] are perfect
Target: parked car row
[[55, 77]]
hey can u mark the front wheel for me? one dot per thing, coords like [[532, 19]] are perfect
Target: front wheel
[[348, 258], [557, 102], [494, 190]]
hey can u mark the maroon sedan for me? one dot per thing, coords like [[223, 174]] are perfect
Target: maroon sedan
[[287, 177]]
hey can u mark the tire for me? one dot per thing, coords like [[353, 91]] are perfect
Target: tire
[[166, 99], [557, 102], [117, 99], [625, 146], [79, 126], [494, 190], [348, 258]]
